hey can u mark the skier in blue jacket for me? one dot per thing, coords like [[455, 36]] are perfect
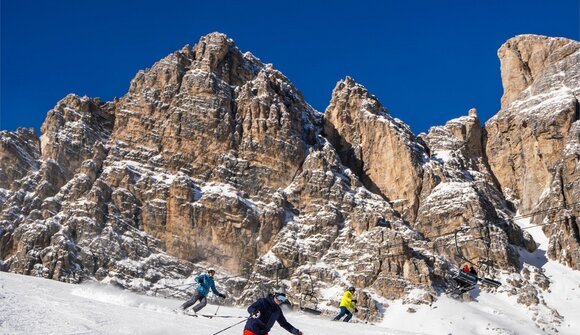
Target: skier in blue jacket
[[264, 312], [206, 283]]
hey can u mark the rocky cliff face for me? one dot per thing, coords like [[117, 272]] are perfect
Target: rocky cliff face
[[380, 149], [19, 155], [231, 129], [532, 143], [213, 157], [460, 194]]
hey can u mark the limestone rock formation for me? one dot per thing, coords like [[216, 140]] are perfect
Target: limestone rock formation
[[177, 158], [532, 143], [525, 57], [19, 152], [380, 149]]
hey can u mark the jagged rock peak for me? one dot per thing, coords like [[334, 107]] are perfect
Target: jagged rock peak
[[212, 49], [214, 54], [540, 77], [524, 57], [349, 87], [462, 132], [351, 101], [373, 144], [354, 98], [472, 112], [22, 133], [215, 42]]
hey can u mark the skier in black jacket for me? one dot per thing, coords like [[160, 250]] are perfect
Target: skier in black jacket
[[264, 312]]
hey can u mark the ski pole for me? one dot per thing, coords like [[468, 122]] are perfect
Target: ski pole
[[176, 286], [173, 294], [178, 291], [219, 305], [235, 324], [172, 287]]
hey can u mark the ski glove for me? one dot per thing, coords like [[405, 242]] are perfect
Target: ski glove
[[255, 315], [354, 300], [356, 310], [221, 295]]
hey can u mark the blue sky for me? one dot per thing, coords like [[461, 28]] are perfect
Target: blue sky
[[426, 61]]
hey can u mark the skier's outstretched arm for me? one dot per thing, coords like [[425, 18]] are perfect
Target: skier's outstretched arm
[[215, 291], [286, 325]]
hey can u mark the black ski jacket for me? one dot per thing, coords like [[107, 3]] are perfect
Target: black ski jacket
[[270, 312]]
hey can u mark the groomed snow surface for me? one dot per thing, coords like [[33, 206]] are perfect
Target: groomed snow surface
[[30, 305]]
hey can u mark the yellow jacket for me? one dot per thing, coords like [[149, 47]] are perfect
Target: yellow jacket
[[346, 301]]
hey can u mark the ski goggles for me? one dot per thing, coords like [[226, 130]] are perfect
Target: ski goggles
[[280, 297]]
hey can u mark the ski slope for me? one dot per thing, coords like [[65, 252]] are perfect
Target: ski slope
[[30, 305]]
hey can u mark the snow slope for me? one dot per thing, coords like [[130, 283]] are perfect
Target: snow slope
[[30, 305]]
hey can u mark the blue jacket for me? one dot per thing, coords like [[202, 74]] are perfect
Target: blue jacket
[[205, 283], [270, 312]]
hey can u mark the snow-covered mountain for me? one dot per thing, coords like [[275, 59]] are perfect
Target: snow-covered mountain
[[215, 158]]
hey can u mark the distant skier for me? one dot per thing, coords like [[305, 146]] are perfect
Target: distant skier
[[347, 304], [264, 312], [465, 268], [206, 283], [472, 271]]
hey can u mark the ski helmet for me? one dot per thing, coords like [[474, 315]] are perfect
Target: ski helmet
[[352, 289]]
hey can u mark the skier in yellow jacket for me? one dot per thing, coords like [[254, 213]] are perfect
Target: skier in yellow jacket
[[347, 304]]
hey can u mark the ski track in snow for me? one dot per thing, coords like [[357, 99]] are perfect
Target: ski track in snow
[[30, 305]]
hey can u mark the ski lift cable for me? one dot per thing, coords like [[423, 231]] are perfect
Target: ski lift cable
[[485, 236], [487, 225], [432, 248], [546, 224], [486, 239], [391, 246], [574, 204]]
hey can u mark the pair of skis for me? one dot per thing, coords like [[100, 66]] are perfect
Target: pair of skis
[[244, 319], [217, 316]]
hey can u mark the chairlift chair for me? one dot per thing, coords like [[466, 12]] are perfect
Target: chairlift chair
[[465, 282], [484, 265], [309, 303], [308, 300]]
